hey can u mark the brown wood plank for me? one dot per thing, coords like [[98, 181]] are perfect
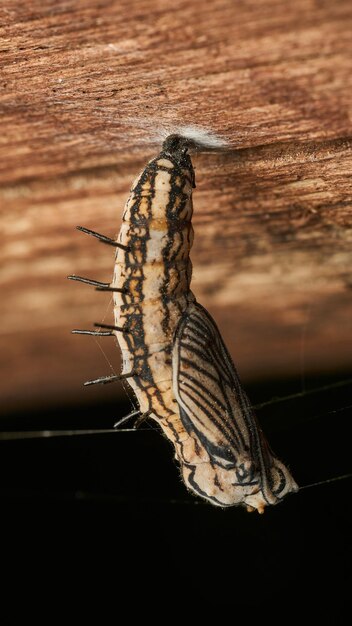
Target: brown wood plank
[[88, 89]]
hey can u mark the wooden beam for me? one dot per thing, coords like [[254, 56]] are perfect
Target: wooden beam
[[88, 90]]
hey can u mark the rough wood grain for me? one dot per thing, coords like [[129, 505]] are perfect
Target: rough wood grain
[[86, 90]]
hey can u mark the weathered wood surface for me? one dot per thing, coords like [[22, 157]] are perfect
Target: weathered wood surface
[[88, 87]]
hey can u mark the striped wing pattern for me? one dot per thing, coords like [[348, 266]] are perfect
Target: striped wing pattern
[[208, 390], [230, 461]]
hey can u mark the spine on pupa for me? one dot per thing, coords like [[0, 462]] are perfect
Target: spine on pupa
[[155, 275]]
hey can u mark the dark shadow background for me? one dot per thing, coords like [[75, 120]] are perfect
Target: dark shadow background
[[110, 512]]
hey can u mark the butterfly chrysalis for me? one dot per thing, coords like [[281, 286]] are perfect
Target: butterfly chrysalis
[[173, 355]]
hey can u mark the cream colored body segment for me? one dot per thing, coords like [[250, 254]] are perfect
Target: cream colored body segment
[[156, 336]]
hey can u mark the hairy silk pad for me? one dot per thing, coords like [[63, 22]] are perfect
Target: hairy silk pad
[[173, 355]]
